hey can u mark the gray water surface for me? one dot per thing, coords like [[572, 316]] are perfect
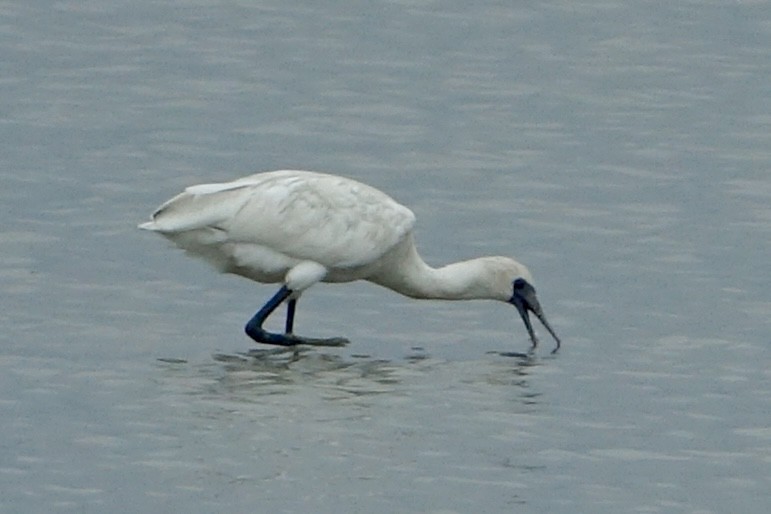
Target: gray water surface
[[621, 150]]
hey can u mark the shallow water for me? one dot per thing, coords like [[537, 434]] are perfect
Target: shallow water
[[621, 151]]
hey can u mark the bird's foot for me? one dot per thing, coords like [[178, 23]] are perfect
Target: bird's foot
[[320, 341], [263, 336], [518, 355]]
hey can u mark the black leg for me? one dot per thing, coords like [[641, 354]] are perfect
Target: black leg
[[290, 307], [255, 331], [254, 326]]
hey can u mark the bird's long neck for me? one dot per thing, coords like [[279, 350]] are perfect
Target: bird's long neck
[[409, 275]]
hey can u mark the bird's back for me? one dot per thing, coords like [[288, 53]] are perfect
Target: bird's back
[[261, 225]]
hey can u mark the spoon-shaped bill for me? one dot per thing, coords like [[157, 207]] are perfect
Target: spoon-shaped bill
[[525, 300]]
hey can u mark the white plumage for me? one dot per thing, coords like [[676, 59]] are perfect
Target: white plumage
[[302, 227]]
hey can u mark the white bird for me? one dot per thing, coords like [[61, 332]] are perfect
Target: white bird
[[298, 228]]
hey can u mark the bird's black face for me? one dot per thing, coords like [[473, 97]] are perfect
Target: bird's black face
[[524, 299]]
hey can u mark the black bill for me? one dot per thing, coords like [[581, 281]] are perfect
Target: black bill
[[525, 300]]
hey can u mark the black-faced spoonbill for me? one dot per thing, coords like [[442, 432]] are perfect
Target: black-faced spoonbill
[[300, 227]]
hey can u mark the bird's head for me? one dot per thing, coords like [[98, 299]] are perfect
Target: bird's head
[[515, 286]]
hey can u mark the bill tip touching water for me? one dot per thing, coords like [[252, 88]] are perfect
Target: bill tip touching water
[[298, 228]]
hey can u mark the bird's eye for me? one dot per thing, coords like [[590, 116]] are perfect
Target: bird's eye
[[520, 283]]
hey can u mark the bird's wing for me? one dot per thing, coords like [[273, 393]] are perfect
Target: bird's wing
[[332, 220]]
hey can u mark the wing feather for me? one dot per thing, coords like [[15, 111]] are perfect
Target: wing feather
[[335, 221]]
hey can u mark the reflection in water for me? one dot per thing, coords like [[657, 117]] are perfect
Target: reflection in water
[[259, 373], [361, 422], [277, 371]]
